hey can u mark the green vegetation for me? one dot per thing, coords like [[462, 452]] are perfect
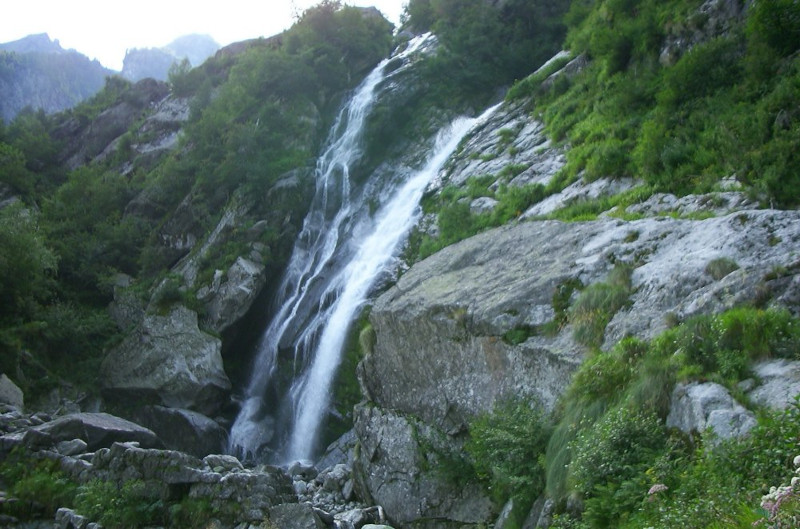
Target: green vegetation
[[611, 452], [40, 488], [346, 389], [486, 46], [726, 106], [457, 222], [506, 449], [597, 304]]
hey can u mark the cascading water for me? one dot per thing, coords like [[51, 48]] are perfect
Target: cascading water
[[327, 281]]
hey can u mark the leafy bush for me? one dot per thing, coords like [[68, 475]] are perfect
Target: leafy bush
[[609, 462], [776, 22], [506, 448], [720, 109]]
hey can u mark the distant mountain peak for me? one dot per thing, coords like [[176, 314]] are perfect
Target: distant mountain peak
[[140, 63], [37, 43]]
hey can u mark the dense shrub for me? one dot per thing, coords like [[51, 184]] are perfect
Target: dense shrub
[[721, 108], [486, 46], [609, 463], [609, 446], [36, 484], [506, 449], [776, 22]]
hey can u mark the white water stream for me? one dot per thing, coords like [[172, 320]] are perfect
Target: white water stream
[[339, 255]]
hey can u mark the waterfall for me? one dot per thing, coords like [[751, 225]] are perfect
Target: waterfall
[[341, 251]]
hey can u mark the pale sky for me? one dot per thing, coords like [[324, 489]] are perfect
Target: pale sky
[[104, 29]]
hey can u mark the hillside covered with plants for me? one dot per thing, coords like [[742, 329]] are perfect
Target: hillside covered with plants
[[688, 98], [143, 200]]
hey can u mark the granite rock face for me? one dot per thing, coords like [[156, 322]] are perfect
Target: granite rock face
[[440, 352], [444, 350]]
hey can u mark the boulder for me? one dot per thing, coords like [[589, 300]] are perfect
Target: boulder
[[482, 205], [167, 360], [779, 383], [339, 451], [10, 393], [97, 430], [295, 516], [577, 192], [228, 299], [696, 407], [184, 430], [392, 470], [73, 447]]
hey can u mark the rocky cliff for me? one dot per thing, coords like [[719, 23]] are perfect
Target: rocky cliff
[[484, 321]]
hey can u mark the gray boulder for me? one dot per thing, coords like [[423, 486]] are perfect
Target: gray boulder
[[10, 393], [184, 430], [393, 470], [228, 299], [779, 383], [696, 407], [295, 516], [167, 360]]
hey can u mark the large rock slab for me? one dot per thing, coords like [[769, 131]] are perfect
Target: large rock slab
[[98, 430], [440, 355], [167, 360]]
